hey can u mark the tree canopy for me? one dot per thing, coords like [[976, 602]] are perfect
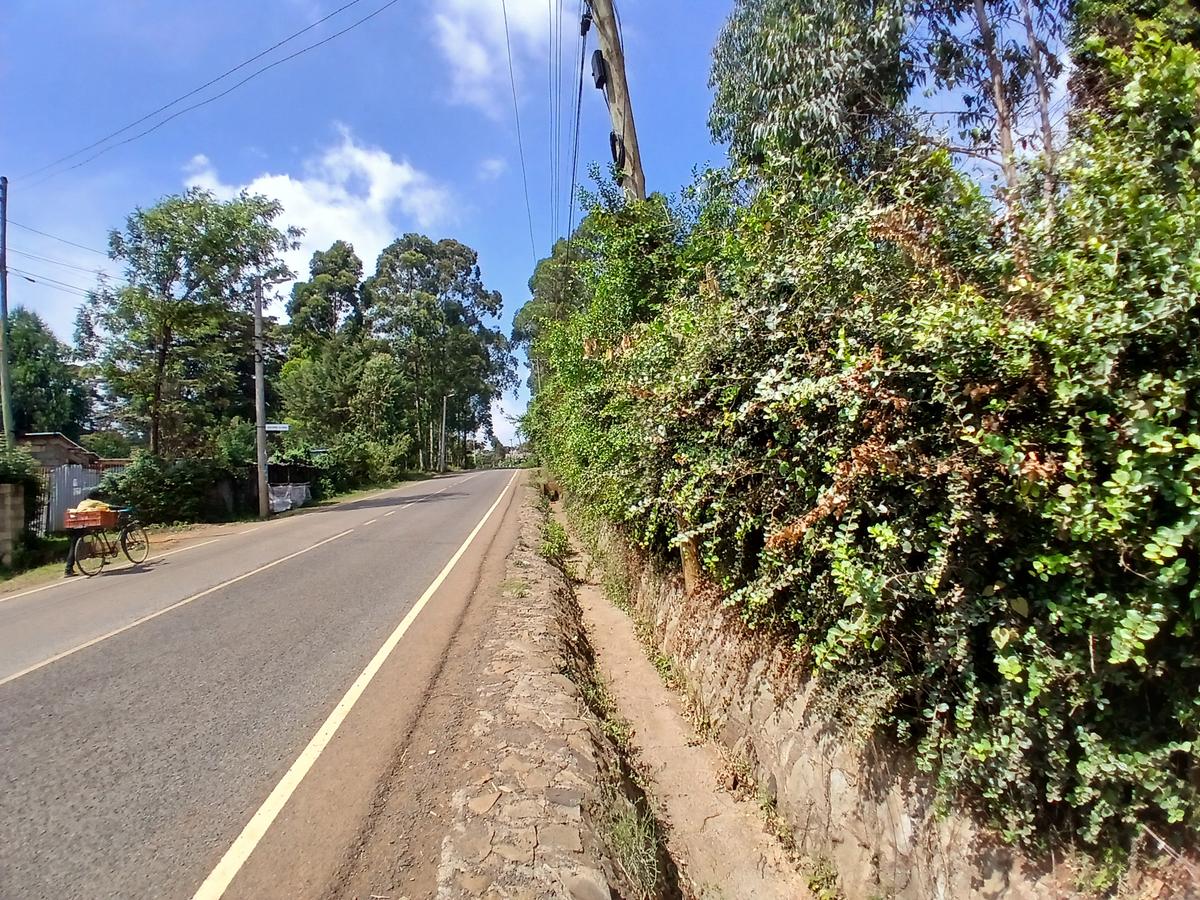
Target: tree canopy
[[940, 441], [48, 392], [173, 346], [375, 358], [852, 79], [330, 300]]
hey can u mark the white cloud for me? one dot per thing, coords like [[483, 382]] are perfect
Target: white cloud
[[493, 168], [349, 192], [470, 34]]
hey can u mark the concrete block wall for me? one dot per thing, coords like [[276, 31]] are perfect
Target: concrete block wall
[[12, 519]]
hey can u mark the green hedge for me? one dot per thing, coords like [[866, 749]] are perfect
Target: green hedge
[[962, 471], [351, 461], [199, 490], [182, 490]]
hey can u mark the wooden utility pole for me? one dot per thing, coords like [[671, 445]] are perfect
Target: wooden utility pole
[[5, 382], [260, 405], [620, 106], [628, 155]]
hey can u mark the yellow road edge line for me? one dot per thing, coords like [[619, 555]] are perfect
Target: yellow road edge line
[[235, 857], [154, 615]]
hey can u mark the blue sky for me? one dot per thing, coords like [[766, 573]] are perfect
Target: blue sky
[[403, 124]]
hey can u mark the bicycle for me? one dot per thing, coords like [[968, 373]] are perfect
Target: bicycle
[[97, 544]]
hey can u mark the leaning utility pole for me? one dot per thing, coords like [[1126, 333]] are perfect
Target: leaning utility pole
[[5, 382], [610, 77], [608, 72], [260, 404]]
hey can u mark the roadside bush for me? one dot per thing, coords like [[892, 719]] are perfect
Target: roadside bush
[[386, 458], [237, 443], [347, 465], [956, 460], [182, 490], [555, 543], [353, 460]]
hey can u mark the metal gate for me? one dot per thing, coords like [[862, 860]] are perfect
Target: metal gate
[[65, 487]]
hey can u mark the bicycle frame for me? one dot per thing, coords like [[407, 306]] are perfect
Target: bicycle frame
[[102, 544]]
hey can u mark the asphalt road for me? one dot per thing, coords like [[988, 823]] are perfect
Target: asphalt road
[[146, 715]]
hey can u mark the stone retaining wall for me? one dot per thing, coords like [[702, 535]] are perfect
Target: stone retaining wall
[[862, 809]]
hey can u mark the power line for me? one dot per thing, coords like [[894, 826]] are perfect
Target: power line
[[551, 132], [229, 90], [70, 292], [193, 92], [584, 27], [57, 238], [517, 114], [57, 262], [558, 126], [51, 282], [47, 278]]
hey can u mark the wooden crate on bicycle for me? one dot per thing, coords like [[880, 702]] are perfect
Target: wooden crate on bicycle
[[91, 518]]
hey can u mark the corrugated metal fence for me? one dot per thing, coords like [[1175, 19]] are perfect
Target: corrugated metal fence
[[65, 487]]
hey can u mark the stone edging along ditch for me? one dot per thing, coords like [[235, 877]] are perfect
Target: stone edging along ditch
[[553, 810]]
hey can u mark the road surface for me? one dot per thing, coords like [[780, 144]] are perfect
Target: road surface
[[217, 722]]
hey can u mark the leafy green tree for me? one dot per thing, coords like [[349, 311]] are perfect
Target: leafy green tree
[[999, 58], [237, 443], [429, 305], [377, 404], [108, 444], [557, 289], [836, 78], [316, 390], [171, 346], [48, 393], [826, 75], [330, 299]]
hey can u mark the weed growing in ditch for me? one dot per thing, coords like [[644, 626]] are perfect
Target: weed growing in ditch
[[555, 543], [515, 587], [822, 878], [634, 840], [600, 700]]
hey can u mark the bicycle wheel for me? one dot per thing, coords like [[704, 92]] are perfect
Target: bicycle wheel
[[90, 553], [135, 543]]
